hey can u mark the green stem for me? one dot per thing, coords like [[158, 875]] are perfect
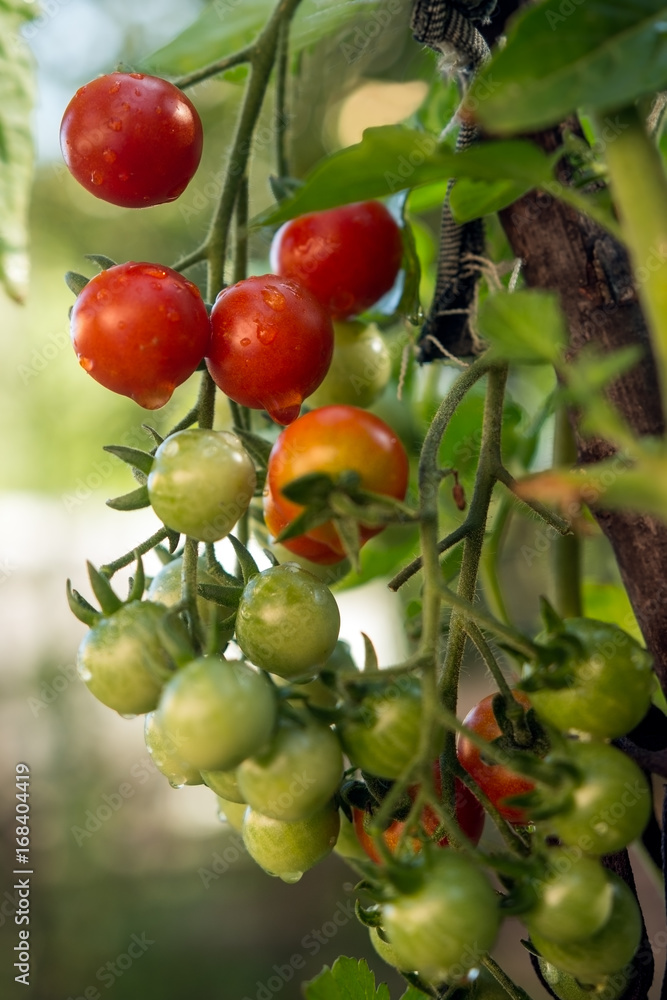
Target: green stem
[[493, 591], [489, 659], [139, 550], [468, 610], [215, 68], [188, 420], [514, 991], [444, 545], [241, 247], [639, 187], [282, 117], [189, 588], [206, 401], [567, 548]]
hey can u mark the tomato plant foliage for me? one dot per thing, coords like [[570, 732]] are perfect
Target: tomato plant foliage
[[318, 456]]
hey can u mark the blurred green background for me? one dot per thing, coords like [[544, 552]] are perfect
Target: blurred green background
[[139, 889]]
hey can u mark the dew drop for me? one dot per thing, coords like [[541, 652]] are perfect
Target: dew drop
[[173, 316], [128, 715], [284, 409], [87, 364], [102, 295], [176, 784], [85, 674], [137, 76], [125, 106], [115, 124], [97, 177], [266, 335], [245, 342], [155, 272], [290, 877], [115, 87], [108, 156], [274, 298], [123, 177], [158, 110]]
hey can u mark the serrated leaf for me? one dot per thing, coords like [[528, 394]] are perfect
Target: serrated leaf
[[347, 979], [471, 199], [226, 26], [523, 326], [131, 456], [390, 158], [17, 92], [133, 501], [602, 54]]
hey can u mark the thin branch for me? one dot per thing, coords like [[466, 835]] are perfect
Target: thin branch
[[215, 68]]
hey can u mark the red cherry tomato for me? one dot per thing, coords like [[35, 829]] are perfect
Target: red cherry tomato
[[131, 139], [336, 439], [497, 781], [469, 814], [348, 256], [272, 345], [140, 330]]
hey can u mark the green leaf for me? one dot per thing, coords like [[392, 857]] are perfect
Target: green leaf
[[226, 26], [601, 54], [412, 993], [17, 92], [471, 199], [131, 456], [348, 979], [524, 326], [391, 158], [608, 602]]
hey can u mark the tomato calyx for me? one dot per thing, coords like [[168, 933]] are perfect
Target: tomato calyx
[[109, 601]]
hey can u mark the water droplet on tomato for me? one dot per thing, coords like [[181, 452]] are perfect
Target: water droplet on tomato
[[115, 87], [84, 673], [290, 877], [155, 272], [128, 715], [274, 298], [108, 156], [155, 396], [285, 408], [102, 295], [115, 124], [125, 106], [158, 110], [245, 342], [173, 316], [123, 177], [97, 177], [176, 784], [266, 335], [137, 76]]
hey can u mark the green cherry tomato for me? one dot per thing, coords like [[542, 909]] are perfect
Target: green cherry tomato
[[382, 734], [166, 587], [201, 483], [231, 812], [382, 947], [287, 621], [347, 845], [360, 368], [164, 751], [567, 987], [296, 774], [610, 806], [225, 785], [446, 926], [602, 953], [220, 711], [609, 690], [573, 897], [122, 660], [289, 849]]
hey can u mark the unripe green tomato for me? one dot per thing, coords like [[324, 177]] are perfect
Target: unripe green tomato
[[567, 987], [360, 367], [296, 774], [122, 661], [347, 845], [383, 736], [573, 898], [164, 752], [225, 784], [289, 849], [166, 587], [382, 947], [611, 804], [231, 812], [221, 712], [446, 926], [611, 684], [287, 621], [605, 952], [201, 483]]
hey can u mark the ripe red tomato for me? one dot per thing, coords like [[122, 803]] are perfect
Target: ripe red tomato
[[131, 139], [497, 781], [348, 256], [336, 439], [469, 814], [272, 345], [140, 330]]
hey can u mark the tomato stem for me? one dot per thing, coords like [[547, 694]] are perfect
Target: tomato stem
[[514, 991], [139, 550], [567, 549]]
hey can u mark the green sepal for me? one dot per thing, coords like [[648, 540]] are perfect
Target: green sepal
[[133, 501], [310, 518], [247, 564], [216, 570], [370, 656], [369, 916], [80, 607], [520, 899], [76, 282], [350, 539], [154, 434], [271, 556], [313, 488], [228, 597], [104, 263], [173, 538], [219, 632], [138, 583], [257, 447], [553, 623], [134, 457], [408, 878], [104, 592], [283, 187], [175, 639]]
